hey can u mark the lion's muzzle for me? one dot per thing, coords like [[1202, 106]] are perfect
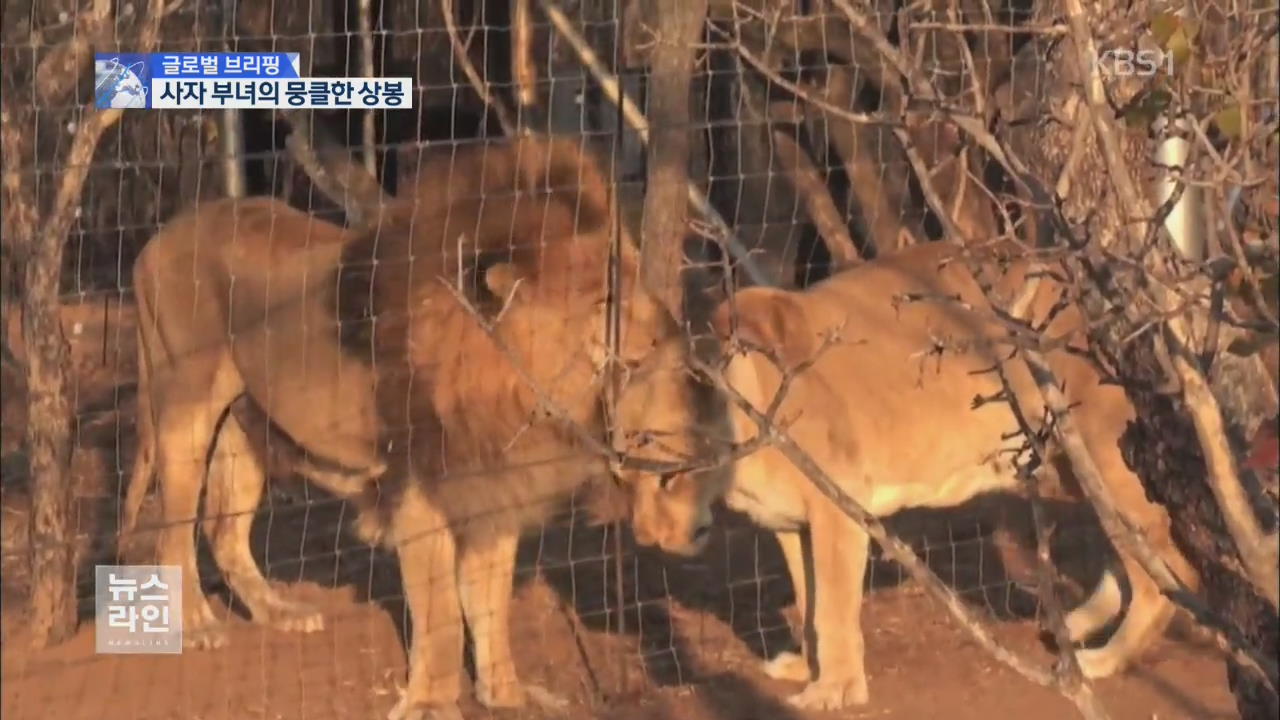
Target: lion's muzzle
[[672, 527]]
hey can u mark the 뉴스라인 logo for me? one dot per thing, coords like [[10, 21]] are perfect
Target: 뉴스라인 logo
[[138, 609]]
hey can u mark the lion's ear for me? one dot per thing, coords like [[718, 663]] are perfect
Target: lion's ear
[[501, 279], [768, 318]]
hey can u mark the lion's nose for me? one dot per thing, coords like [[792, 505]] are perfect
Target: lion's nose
[[644, 537], [701, 534]]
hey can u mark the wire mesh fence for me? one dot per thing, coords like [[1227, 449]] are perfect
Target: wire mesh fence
[[817, 135]]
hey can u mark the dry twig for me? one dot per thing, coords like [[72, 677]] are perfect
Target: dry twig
[[523, 71], [822, 209], [505, 118], [369, 136]]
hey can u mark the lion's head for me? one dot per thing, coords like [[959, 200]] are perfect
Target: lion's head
[[503, 259], [653, 413]]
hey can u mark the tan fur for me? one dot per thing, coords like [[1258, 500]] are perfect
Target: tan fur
[[892, 422], [359, 352]]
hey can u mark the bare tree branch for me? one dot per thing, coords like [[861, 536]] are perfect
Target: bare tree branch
[[60, 70], [1069, 677], [1259, 551], [635, 118], [509, 126], [523, 71], [368, 133], [1119, 531], [822, 210]]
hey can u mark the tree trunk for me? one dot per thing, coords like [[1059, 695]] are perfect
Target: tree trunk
[[53, 607], [53, 586], [678, 28], [1163, 449]]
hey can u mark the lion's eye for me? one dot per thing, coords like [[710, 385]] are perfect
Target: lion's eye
[[664, 480]]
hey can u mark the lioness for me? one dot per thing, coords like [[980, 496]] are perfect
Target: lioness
[[886, 411], [368, 352]]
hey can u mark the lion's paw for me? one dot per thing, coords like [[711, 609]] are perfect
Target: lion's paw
[[546, 700], [831, 695], [406, 710], [295, 617], [788, 666], [206, 636], [513, 694], [1100, 662]]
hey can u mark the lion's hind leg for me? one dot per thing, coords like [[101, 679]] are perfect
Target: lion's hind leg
[[234, 490], [184, 429], [1102, 606], [1145, 620], [1150, 611]]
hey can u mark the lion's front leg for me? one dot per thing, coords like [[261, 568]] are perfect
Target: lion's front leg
[[485, 582], [840, 548], [427, 551], [790, 665]]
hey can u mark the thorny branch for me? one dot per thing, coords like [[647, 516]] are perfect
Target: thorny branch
[[616, 460], [1121, 533], [1068, 675], [1118, 531], [1256, 547]]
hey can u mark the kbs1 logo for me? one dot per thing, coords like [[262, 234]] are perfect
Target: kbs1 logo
[[212, 81], [1169, 43], [1125, 62]]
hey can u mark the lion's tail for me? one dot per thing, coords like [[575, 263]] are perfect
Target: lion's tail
[[470, 184], [562, 167]]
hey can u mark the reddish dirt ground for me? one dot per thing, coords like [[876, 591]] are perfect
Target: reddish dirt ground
[[693, 659], [691, 648]]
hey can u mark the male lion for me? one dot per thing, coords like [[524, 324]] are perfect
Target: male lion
[[888, 411], [370, 354]]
